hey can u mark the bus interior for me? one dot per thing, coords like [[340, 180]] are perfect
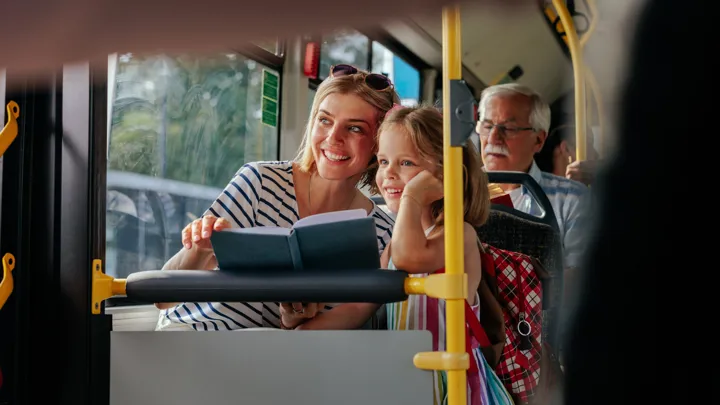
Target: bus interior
[[115, 156]]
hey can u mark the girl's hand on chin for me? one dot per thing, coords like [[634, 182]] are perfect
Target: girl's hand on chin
[[424, 188]]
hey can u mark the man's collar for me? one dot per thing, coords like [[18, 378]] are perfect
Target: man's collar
[[535, 172]]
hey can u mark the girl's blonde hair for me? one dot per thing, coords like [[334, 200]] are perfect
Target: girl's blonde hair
[[424, 126], [382, 100]]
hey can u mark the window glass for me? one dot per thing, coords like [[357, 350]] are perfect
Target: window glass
[[344, 46], [180, 127], [405, 77], [311, 97]]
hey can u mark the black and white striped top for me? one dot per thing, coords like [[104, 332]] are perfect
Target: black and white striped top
[[260, 194]]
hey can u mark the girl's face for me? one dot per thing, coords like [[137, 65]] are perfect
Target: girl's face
[[398, 162]]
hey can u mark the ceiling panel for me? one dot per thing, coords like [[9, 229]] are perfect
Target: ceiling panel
[[495, 40]]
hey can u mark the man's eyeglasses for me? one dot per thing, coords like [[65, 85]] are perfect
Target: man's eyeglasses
[[374, 80], [508, 132]]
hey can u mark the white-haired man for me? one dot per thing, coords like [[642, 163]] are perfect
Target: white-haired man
[[513, 125]]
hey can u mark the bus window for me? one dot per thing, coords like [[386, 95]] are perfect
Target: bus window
[[180, 127], [344, 46], [405, 77], [311, 98]]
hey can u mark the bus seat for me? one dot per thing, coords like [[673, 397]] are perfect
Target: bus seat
[[509, 232], [539, 237]]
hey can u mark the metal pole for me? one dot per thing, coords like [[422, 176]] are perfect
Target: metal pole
[[453, 210]]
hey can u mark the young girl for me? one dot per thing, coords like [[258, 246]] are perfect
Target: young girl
[[409, 177]]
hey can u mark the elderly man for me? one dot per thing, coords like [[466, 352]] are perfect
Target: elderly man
[[512, 127]]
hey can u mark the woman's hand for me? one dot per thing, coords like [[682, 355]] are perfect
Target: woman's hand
[[292, 315], [199, 231], [582, 171], [424, 188]]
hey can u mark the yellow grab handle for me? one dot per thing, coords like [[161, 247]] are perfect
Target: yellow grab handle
[[6, 285], [577, 62], [8, 134]]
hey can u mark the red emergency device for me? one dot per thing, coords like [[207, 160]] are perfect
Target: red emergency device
[[312, 60]]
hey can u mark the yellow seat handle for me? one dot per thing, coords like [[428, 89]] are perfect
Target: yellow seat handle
[[9, 133], [6, 285]]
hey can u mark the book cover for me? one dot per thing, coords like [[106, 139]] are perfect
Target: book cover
[[499, 196], [338, 240], [503, 199]]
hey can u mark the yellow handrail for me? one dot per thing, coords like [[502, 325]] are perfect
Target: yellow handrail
[[592, 89], [453, 192], [577, 61], [7, 284], [8, 134]]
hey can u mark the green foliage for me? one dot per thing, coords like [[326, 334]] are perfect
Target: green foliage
[[204, 111]]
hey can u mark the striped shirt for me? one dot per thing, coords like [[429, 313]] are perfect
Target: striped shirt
[[420, 312], [569, 200], [260, 194]]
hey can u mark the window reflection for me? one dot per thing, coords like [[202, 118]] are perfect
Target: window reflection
[[344, 46], [405, 77], [311, 98]]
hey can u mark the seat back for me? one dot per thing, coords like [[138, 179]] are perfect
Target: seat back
[[268, 367], [510, 229]]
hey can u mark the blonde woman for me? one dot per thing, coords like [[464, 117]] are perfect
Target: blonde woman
[[336, 154]]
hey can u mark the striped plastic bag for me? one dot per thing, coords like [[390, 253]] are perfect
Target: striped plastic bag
[[486, 388], [493, 392]]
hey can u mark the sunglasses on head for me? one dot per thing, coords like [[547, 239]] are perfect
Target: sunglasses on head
[[374, 80]]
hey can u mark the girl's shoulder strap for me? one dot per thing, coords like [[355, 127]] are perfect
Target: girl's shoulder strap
[[480, 245]]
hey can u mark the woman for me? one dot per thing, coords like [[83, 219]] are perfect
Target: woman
[[558, 156], [337, 150]]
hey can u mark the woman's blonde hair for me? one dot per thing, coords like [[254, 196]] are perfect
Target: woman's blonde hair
[[382, 100], [424, 126]]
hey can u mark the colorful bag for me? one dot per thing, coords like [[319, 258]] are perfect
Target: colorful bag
[[493, 392], [512, 282], [485, 388]]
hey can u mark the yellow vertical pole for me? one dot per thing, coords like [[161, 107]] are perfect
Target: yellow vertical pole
[[452, 175], [578, 75]]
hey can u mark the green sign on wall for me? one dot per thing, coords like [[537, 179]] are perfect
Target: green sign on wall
[[270, 96]]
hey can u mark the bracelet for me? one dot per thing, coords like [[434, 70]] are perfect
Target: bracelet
[[412, 198]]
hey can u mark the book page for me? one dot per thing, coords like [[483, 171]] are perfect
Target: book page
[[261, 230], [328, 217]]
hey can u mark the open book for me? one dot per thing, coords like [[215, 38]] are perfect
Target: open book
[[332, 241], [499, 196]]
